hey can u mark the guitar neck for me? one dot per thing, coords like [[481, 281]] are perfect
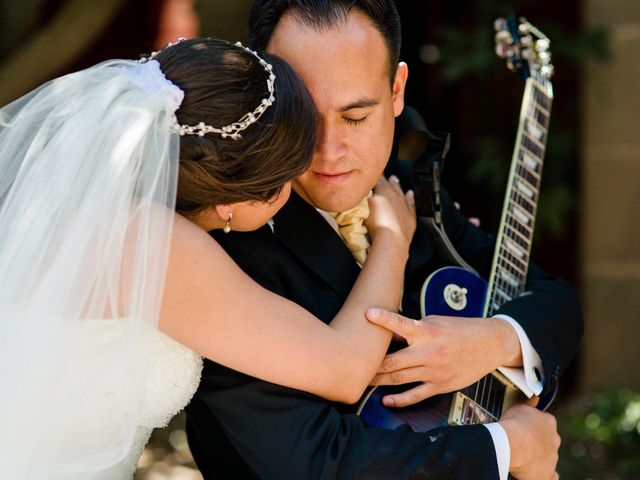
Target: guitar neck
[[515, 235]]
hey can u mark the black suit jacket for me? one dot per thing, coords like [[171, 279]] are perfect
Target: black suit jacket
[[241, 427]]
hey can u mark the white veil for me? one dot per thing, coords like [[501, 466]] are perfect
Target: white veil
[[88, 176]]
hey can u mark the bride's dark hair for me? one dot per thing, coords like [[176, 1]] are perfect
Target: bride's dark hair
[[223, 82]]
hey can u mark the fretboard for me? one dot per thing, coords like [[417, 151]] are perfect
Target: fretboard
[[513, 246]]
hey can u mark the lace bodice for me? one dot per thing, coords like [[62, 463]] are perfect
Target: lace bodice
[[117, 380], [173, 379], [103, 417]]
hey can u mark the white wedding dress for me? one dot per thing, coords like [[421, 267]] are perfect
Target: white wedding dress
[[173, 376], [173, 379]]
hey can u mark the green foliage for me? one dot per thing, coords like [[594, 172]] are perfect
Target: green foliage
[[601, 437]]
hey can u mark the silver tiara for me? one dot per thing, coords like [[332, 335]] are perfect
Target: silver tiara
[[233, 129]]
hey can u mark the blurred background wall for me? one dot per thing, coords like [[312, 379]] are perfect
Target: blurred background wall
[[588, 230], [610, 197]]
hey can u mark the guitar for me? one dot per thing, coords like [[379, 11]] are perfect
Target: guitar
[[456, 291]]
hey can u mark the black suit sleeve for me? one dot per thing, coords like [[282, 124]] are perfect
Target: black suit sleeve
[[549, 311], [284, 434]]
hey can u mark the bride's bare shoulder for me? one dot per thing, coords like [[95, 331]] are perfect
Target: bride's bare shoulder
[[189, 239]]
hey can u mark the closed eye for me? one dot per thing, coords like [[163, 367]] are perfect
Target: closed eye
[[354, 121]]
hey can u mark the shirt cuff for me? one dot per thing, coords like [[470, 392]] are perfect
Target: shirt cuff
[[529, 378], [502, 448]]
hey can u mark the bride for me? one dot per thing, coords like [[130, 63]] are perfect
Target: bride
[[112, 290]]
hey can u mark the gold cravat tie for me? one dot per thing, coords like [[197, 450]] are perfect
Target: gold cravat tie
[[354, 233]]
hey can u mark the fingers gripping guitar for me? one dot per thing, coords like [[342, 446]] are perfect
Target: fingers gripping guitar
[[443, 353]]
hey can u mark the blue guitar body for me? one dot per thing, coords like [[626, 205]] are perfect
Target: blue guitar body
[[433, 299], [432, 412]]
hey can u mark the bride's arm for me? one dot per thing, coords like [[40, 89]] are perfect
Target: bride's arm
[[215, 309]]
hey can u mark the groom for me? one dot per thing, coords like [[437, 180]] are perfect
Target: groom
[[347, 53]]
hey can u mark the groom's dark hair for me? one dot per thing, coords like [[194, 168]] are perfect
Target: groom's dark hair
[[265, 15]]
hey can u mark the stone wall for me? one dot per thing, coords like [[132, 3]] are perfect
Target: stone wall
[[610, 204]]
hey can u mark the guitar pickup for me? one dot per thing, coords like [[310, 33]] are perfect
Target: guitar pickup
[[465, 411]]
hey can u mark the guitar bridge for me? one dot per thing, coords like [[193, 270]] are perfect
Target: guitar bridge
[[465, 411]]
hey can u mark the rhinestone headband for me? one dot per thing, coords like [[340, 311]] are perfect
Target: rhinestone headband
[[233, 129]]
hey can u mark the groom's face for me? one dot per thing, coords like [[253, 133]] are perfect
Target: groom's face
[[346, 71]]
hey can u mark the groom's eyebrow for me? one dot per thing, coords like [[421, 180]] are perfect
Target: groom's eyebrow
[[360, 103]]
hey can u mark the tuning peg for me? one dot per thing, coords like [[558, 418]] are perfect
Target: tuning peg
[[545, 57], [502, 51], [527, 53], [504, 37], [500, 24], [543, 45]]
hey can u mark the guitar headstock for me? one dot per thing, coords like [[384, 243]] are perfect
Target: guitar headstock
[[525, 48]]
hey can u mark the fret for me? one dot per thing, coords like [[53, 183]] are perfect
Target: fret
[[536, 141], [500, 391], [514, 272], [475, 395], [539, 116], [503, 265], [516, 263], [520, 263], [538, 119], [517, 236], [532, 128], [543, 101], [484, 384], [531, 147], [510, 291], [511, 286], [485, 400], [540, 96], [492, 398], [510, 279], [529, 160], [532, 178], [505, 288], [524, 191], [504, 296], [514, 249], [524, 202], [497, 303], [516, 224], [519, 213], [522, 187], [498, 395]]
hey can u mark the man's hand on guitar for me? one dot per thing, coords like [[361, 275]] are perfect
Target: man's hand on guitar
[[443, 353], [534, 443]]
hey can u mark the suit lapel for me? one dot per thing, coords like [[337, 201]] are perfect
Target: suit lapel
[[308, 236]]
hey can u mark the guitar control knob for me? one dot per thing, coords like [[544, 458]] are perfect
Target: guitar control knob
[[455, 297]]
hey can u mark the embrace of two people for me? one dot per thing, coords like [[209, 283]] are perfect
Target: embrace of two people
[[172, 233]]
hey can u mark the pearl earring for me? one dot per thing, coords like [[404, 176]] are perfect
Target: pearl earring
[[227, 226]]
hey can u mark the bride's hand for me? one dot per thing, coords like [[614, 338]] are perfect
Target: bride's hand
[[391, 210]]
